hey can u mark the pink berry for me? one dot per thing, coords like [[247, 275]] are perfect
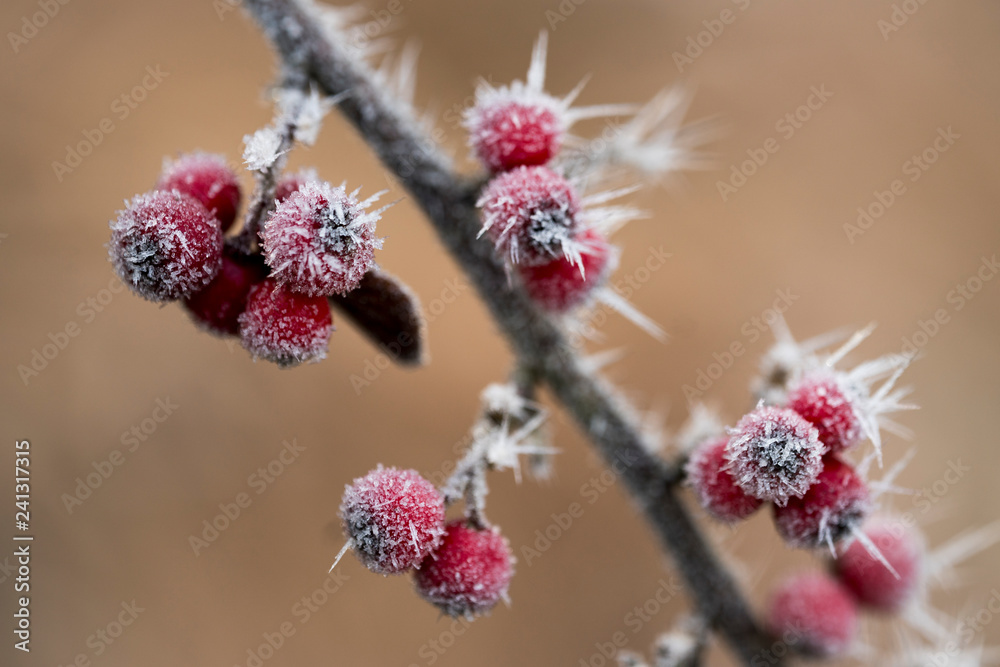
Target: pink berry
[[469, 573], [561, 285], [165, 245], [285, 327], [208, 179], [219, 305], [290, 183], [824, 402], [869, 580], [715, 487], [321, 240], [774, 454], [511, 133], [531, 215], [395, 518], [813, 613], [833, 507]]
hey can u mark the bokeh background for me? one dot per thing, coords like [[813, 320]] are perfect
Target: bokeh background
[[892, 91]]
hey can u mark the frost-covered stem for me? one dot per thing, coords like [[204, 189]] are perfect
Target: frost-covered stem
[[468, 483], [262, 201], [448, 200]]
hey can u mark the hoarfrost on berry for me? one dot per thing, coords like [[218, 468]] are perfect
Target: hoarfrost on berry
[[814, 613], [321, 240], [560, 285], [869, 580], [774, 454], [521, 124], [833, 508], [829, 406], [285, 327], [394, 518], [219, 305], [530, 213], [165, 245], [289, 183], [469, 573], [207, 178], [714, 485]]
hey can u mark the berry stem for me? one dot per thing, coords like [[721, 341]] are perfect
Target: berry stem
[[262, 201], [390, 127]]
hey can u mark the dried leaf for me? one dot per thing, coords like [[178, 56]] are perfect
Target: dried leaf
[[388, 312]]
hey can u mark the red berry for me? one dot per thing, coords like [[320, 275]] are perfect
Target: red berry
[[560, 285], [208, 179], [869, 580], [469, 573], [290, 183], [774, 454], [507, 133], [219, 305], [835, 505], [715, 487], [165, 245], [395, 518], [531, 214], [321, 240], [285, 327], [814, 613], [825, 403]]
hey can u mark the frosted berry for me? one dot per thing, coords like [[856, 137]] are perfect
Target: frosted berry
[[834, 506], [507, 133], [290, 183], [394, 519], [522, 124], [826, 403], [870, 581], [165, 245], [774, 454], [469, 573], [208, 179], [218, 306], [321, 240], [561, 285], [285, 327], [714, 486], [813, 613], [531, 214]]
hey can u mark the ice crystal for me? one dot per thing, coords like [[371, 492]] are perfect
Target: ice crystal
[[774, 454], [263, 148]]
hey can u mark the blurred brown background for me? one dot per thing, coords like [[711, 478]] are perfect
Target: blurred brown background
[[782, 230]]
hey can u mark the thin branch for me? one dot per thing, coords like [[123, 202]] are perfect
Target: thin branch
[[448, 200]]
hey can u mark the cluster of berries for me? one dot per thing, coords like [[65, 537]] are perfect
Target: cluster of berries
[[776, 455], [271, 291], [818, 612], [395, 521], [790, 452], [534, 215]]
